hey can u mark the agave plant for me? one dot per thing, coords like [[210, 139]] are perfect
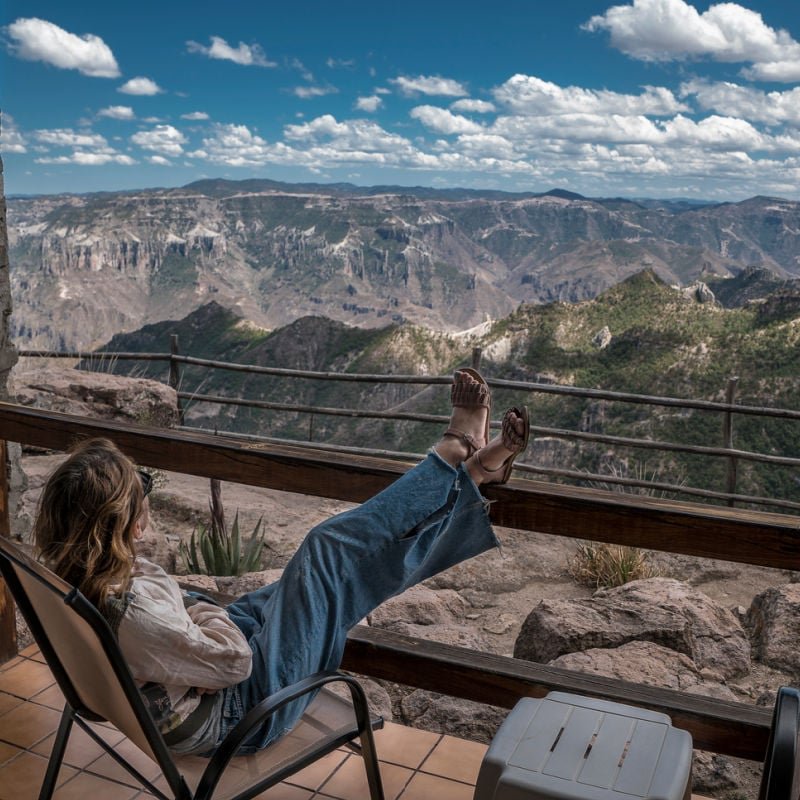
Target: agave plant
[[213, 550]]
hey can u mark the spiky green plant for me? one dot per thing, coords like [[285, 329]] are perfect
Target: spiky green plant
[[213, 550]]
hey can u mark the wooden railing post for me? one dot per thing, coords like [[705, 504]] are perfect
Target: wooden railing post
[[8, 624], [476, 357], [727, 440], [175, 373]]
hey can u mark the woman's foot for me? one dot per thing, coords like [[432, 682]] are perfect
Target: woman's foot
[[493, 463], [469, 422]]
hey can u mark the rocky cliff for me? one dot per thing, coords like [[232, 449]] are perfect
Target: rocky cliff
[[85, 267]]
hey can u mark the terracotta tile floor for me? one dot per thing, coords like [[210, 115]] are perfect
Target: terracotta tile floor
[[415, 765]]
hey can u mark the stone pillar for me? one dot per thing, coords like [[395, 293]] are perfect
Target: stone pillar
[[8, 354], [8, 357], [17, 482]]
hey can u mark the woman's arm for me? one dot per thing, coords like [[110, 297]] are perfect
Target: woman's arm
[[166, 643]]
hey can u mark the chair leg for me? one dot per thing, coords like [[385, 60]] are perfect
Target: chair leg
[[56, 755], [370, 756]]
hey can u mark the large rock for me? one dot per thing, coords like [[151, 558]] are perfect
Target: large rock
[[660, 610], [647, 663], [425, 613], [773, 620], [100, 395], [420, 605], [380, 703], [443, 714]]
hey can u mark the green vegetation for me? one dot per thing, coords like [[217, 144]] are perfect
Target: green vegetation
[[213, 550], [662, 342], [175, 271]]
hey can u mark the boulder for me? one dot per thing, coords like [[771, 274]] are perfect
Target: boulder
[[724, 778], [100, 395], [773, 621], [420, 605], [380, 702], [647, 663], [443, 714], [602, 338], [425, 613], [660, 610]]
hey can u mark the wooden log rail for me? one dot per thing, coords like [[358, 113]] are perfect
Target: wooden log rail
[[728, 408], [735, 729], [752, 537]]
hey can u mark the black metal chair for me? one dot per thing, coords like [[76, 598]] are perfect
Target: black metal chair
[[83, 654], [781, 777]]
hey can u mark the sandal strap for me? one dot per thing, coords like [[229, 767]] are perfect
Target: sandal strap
[[470, 395], [467, 438], [511, 439]]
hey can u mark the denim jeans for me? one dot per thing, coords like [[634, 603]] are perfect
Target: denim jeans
[[431, 518]]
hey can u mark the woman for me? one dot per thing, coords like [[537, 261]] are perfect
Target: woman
[[202, 667]]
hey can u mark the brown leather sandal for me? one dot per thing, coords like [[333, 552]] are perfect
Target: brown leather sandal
[[471, 395], [511, 441]]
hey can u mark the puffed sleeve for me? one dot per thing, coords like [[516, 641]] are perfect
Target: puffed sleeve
[[166, 643]]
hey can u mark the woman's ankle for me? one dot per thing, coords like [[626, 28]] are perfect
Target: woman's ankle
[[451, 450]]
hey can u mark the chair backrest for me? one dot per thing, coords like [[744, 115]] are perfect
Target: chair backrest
[[780, 779], [82, 652]]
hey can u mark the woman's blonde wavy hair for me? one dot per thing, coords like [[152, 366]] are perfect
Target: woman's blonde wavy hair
[[86, 521]]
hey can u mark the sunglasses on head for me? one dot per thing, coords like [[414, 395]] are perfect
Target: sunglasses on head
[[147, 481]]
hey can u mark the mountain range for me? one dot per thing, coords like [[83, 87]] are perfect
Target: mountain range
[[640, 336], [84, 267]]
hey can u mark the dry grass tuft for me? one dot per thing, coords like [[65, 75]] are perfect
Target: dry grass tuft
[[603, 566]]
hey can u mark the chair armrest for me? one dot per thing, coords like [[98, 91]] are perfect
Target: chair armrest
[[266, 708]]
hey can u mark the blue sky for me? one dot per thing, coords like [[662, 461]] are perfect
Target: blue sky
[[657, 98]]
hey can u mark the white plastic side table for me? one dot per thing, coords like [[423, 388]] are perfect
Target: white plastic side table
[[568, 747]]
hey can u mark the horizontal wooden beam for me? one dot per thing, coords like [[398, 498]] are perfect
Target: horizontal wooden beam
[[734, 729], [752, 537]]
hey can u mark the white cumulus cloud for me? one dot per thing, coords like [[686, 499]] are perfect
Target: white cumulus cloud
[[308, 92], [159, 161], [443, 121], [529, 95], [245, 54], [369, 104], [429, 85], [66, 137], [83, 158], [195, 116], [117, 112], [164, 139], [475, 106], [666, 30], [37, 39], [140, 86], [731, 99], [235, 146], [11, 140]]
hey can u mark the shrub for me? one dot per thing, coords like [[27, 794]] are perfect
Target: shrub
[[213, 550], [608, 565]]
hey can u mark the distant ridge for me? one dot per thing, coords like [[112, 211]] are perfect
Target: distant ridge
[[225, 187], [87, 266]]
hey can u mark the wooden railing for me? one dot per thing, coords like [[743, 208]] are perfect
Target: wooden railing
[[728, 409], [753, 537]]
